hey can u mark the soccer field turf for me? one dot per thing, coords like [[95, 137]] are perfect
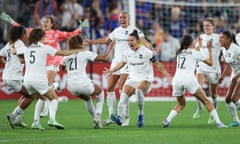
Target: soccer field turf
[[78, 127]]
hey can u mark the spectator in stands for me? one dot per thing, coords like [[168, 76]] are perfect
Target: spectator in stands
[[112, 20], [157, 32], [168, 48], [43, 8], [72, 13], [177, 25]]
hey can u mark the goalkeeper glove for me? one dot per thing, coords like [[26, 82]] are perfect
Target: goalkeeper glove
[[83, 24], [5, 17]]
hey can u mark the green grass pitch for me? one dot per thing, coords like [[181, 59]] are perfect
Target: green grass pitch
[[78, 127]]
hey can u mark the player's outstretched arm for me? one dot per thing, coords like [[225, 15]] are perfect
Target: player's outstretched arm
[[7, 18]]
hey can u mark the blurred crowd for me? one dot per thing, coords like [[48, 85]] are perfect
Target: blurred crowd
[[163, 24]]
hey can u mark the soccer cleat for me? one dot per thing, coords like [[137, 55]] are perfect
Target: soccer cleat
[[21, 124], [37, 126], [10, 120], [234, 124], [221, 125], [55, 124], [107, 122], [165, 124], [126, 121], [140, 121], [116, 119], [211, 120], [197, 114], [97, 124]]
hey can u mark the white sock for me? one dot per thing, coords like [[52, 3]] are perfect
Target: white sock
[[199, 104], [90, 107], [233, 112], [111, 102], [46, 107], [53, 105], [171, 115], [214, 114], [17, 111], [140, 96], [37, 110], [237, 103], [99, 103], [122, 104], [214, 101]]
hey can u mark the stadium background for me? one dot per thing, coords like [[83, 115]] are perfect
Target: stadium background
[[145, 15]]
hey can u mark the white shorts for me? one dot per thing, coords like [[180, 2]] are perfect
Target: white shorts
[[37, 86], [123, 70], [15, 85], [53, 68], [179, 87], [212, 77], [83, 87], [134, 84]]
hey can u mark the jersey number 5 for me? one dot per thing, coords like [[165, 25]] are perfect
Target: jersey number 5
[[32, 57]]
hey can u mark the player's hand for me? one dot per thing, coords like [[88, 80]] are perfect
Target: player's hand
[[5, 17], [83, 24], [107, 72]]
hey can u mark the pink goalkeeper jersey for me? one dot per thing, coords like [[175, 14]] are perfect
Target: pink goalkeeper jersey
[[53, 37]]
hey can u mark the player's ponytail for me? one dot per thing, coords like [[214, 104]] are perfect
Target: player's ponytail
[[135, 34], [186, 41]]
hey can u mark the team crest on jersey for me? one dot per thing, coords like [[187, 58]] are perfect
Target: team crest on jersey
[[140, 56], [53, 35], [126, 32]]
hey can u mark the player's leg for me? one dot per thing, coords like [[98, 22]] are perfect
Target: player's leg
[[128, 90], [231, 107], [197, 113], [111, 97], [209, 106], [51, 74], [140, 90], [126, 109], [173, 113], [99, 105]]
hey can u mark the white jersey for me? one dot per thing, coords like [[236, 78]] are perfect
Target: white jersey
[[35, 60], [76, 65], [139, 64], [13, 69], [216, 50], [186, 63], [238, 38], [232, 57], [120, 36]]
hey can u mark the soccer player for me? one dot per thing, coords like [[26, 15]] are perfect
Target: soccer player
[[184, 78], [53, 37], [120, 37], [139, 60], [231, 54], [13, 73], [211, 73], [78, 82], [35, 79]]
